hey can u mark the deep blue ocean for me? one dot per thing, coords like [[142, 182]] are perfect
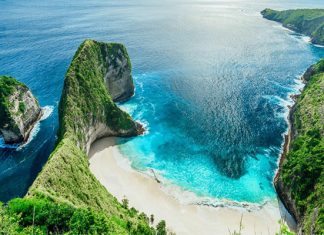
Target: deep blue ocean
[[213, 80]]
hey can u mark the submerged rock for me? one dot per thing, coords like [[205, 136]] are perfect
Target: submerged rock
[[19, 110]]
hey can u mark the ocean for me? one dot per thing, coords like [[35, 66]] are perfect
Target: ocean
[[213, 83]]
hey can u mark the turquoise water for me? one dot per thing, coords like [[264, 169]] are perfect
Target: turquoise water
[[212, 86]]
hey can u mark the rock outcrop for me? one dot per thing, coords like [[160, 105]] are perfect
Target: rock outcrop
[[99, 74], [19, 110], [118, 77]]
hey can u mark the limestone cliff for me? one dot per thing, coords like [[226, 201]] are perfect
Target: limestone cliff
[[300, 178], [98, 74], [118, 77], [19, 110]]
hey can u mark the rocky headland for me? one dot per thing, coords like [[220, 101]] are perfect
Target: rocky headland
[[305, 21], [19, 110], [99, 74]]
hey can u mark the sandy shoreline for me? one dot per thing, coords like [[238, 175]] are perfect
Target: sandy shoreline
[[144, 193]]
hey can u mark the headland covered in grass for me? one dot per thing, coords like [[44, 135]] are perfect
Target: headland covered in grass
[[306, 21], [66, 197]]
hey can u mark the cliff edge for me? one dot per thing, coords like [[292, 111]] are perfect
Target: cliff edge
[[300, 177], [19, 110]]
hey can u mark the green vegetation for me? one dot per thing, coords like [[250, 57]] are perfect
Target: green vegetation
[[125, 203], [42, 216], [306, 21], [8, 85], [302, 171], [284, 230], [66, 197], [161, 228], [22, 107]]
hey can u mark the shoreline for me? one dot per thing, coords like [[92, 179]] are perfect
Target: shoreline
[[287, 137], [280, 190], [143, 192], [278, 185]]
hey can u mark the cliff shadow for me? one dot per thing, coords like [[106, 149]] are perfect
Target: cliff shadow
[[286, 216]]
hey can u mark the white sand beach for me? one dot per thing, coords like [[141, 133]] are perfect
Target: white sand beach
[[144, 193]]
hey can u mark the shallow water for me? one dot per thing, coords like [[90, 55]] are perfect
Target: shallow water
[[212, 84]]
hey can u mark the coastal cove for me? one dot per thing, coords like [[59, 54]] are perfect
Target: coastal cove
[[199, 124], [113, 170]]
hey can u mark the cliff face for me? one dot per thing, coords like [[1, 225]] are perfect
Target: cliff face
[[299, 181], [99, 73], [19, 110], [300, 178], [118, 77], [306, 21]]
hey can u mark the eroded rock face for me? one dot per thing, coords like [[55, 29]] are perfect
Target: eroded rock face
[[119, 79], [19, 110], [298, 181]]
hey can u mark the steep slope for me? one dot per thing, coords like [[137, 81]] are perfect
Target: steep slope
[[87, 112], [300, 179], [86, 109], [306, 21], [19, 110]]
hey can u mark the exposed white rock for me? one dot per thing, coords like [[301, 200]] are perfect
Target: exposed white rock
[[24, 112]]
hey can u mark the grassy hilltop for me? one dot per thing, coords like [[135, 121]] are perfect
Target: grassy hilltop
[[66, 197], [306, 21]]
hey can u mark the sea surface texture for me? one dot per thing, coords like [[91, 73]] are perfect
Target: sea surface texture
[[213, 80]]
